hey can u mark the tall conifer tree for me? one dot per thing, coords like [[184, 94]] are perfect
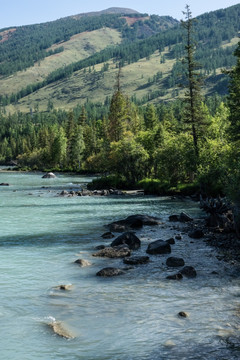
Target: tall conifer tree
[[193, 116]]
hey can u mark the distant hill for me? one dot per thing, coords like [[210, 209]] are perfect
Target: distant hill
[[74, 59], [111, 10]]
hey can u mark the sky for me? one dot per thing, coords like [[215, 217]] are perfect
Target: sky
[[25, 12]]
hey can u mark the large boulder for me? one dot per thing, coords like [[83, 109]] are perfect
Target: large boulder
[[113, 252], [129, 239], [49, 175], [189, 272], [136, 260], [159, 247], [175, 262], [110, 271], [133, 222]]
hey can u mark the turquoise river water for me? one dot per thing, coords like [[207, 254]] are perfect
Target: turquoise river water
[[130, 317]]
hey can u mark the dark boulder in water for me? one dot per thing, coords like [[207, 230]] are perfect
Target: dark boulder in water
[[129, 239], [175, 262], [159, 247], [110, 271], [189, 272], [133, 222]]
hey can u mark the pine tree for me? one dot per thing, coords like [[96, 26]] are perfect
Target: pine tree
[[193, 117], [119, 113], [234, 98]]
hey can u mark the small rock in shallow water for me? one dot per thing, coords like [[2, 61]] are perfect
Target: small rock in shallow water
[[82, 262], [177, 276], [175, 261], [64, 287], [49, 175], [110, 271], [59, 329], [182, 314], [178, 237], [189, 272]]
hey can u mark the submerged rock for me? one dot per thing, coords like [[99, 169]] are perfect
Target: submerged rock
[[136, 260], [110, 271], [66, 287], [82, 262], [59, 328], [189, 272], [129, 239], [177, 276], [107, 235], [49, 175], [133, 222], [159, 247], [113, 252], [4, 184], [175, 262]]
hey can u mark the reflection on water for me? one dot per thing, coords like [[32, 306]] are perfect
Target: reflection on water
[[129, 317]]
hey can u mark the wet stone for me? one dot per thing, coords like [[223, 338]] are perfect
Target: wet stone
[[110, 271], [189, 272], [175, 262], [177, 276], [136, 260]]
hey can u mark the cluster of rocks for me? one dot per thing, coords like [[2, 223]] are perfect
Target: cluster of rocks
[[123, 246], [85, 192]]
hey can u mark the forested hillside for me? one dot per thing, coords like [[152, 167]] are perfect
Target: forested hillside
[[152, 66]]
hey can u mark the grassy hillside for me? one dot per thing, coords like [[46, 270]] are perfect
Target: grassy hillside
[[79, 47], [85, 68]]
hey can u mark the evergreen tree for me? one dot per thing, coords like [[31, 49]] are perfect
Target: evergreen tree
[[119, 113], [193, 116], [234, 98]]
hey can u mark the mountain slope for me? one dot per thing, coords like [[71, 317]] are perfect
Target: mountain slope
[[22, 46], [152, 67]]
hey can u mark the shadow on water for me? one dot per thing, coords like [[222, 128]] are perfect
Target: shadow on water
[[44, 239]]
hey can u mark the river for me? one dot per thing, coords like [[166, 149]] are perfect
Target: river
[[130, 317]]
